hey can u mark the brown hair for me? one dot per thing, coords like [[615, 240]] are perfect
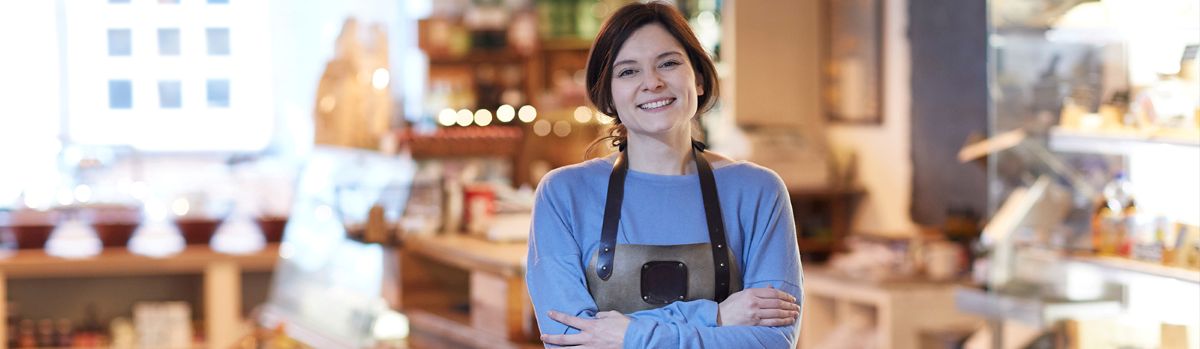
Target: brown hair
[[618, 28]]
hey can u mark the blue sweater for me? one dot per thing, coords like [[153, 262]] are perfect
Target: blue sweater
[[663, 210]]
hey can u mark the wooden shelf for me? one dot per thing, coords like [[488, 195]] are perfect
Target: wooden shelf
[[566, 44], [479, 56], [443, 325], [831, 301], [502, 258], [121, 262], [834, 207], [222, 301], [452, 142], [196, 345]]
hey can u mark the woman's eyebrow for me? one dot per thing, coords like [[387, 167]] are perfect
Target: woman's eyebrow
[[660, 56]]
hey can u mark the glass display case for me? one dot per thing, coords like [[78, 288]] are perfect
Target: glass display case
[[1095, 85], [1094, 178], [334, 284]]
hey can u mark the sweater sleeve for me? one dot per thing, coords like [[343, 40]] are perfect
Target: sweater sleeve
[[554, 274], [771, 259]]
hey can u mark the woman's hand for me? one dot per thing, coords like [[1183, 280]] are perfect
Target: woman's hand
[[606, 331], [758, 307]]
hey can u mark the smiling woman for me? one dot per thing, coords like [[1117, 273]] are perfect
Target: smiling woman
[[694, 268]]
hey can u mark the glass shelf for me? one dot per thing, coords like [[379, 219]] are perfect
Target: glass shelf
[[1114, 264], [1030, 309], [1119, 142]]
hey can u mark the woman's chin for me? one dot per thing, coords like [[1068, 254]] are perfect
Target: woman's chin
[[660, 131]]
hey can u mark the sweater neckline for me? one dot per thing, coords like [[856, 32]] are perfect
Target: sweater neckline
[[661, 178]]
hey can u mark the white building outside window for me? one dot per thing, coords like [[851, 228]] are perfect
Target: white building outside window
[[168, 76]]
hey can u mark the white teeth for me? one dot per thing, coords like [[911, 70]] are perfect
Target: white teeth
[[658, 104]]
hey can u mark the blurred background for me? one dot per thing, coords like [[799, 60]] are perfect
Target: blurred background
[[279, 174]]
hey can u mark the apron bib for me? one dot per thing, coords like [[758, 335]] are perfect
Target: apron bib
[[630, 277]]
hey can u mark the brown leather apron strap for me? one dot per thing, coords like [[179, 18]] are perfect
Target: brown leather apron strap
[[716, 223], [712, 211], [612, 217]]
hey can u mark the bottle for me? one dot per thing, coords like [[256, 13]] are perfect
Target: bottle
[[1161, 252], [1118, 198], [64, 330], [12, 320], [88, 332], [1118, 193], [1128, 229], [1104, 230], [27, 334]]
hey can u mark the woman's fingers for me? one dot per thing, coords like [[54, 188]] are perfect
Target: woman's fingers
[[776, 314], [776, 322], [568, 320], [564, 339], [773, 304]]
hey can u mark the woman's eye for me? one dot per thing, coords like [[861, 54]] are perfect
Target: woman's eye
[[624, 73], [669, 64]]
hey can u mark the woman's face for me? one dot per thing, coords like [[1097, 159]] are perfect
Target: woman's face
[[654, 87]]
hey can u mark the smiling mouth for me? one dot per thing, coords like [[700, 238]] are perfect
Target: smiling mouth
[[656, 104]]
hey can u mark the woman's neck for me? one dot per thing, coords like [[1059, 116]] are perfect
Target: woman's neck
[[670, 155]]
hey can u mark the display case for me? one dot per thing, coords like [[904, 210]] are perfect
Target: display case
[[334, 284], [1096, 201]]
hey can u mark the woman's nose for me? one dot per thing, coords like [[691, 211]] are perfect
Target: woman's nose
[[652, 81]]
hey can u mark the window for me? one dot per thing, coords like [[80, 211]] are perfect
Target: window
[[120, 94], [119, 42], [168, 41], [218, 41], [218, 93], [170, 94], [180, 48]]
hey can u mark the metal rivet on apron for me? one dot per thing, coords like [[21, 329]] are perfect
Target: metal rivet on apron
[[722, 265], [645, 266], [718, 245], [645, 297], [604, 268], [680, 297], [606, 249], [681, 265]]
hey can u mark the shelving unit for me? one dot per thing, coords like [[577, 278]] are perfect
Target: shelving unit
[[222, 275], [463, 291], [833, 208], [1073, 87], [898, 310]]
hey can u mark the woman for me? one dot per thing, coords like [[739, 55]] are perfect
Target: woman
[[651, 247]]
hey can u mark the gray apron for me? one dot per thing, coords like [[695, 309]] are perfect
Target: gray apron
[[628, 277]]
